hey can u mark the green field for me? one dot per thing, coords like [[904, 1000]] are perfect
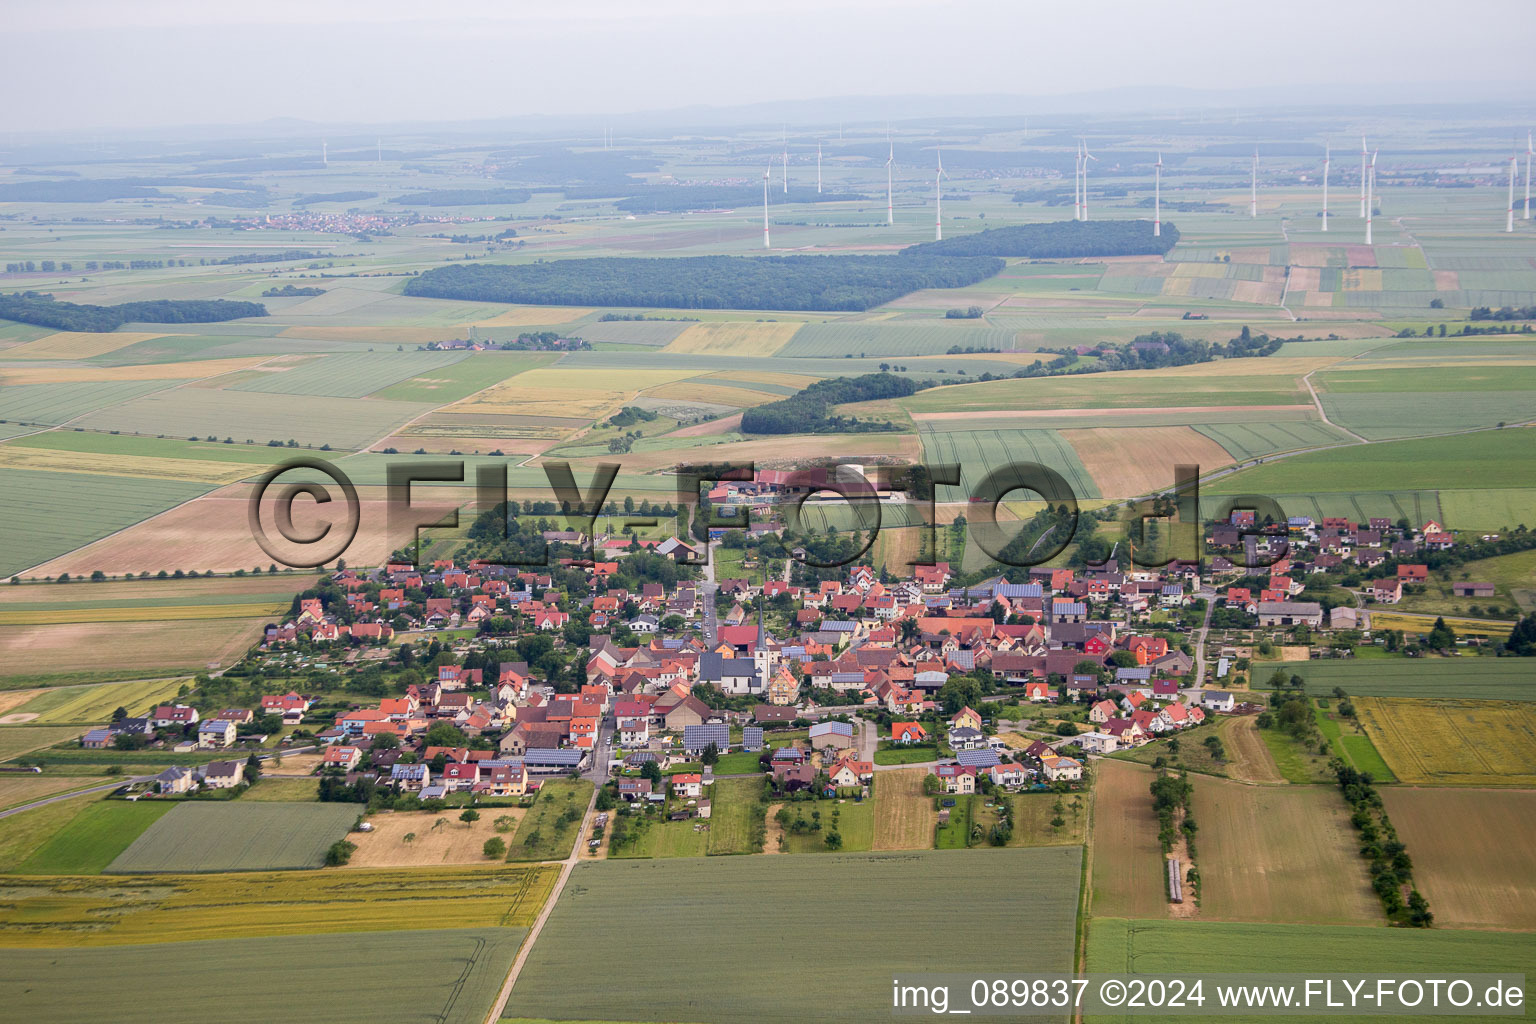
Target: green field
[[58, 403], [736, 816], [933, 338], [450, 976], [541, 835], [237, 836], [980, 452], [1252, 440], [1476, 678], [95, 836], [733, 914], [458, 380], [97, 443], [352, 375], [1109, 391], [1166, 948], [1487, 459], [44, 514], [855, 823], [1353, 748], [16, 740]]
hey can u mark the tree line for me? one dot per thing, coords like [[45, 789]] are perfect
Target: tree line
[[45, 311], [1057, 239], [808, 411], [465, 197], [841, 283]]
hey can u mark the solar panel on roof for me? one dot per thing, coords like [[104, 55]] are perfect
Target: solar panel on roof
[[977, 758], [752, 738]]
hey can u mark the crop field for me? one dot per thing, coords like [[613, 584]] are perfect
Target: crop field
[[1128, 873], [567, 393], [92, 838], [237, 836], [884, 338], [276, 590], [1462, 678], [18, 788], [87, 705], [456, 381], [1453, 742], [436, 839], [1472, 857], [59, 403], [352, 375], [48, 513], [1153, 948], [346, 423], [1129, 390], [734, 339], [214, 532], [1252, 440], [76, 345], [135, 466], [1382, 416], [905, 819], [548, 830], [1124, 463], [1350, 743], [152, 377], [1486, 459], [980, 452], [161, 449], [448, 976], [16, 740], [156, 613], [649, 333], [121, 650], [754, 902], [109, 910], [1279, 853]]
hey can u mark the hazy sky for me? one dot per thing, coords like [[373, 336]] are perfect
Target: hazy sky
[[71, 64]]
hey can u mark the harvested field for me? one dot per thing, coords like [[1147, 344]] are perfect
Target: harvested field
[[1453, 742], [237, 836], [1472, 854], [1128, 873], [905, 819], [1124, 463], [1279, 853], [114, 911], [534, 316], [214, 532], [155, 613], [733, 339], [129, 648], [699, 389], [452, 842], [822, 976], [150, 376], [138, 466], [23, 789], [589, 394], [723, 425], [16, 740], [1249, 757], [449, 976]]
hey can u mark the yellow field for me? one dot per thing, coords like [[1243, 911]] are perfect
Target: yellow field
[[1424, 623], [105, 911], [81, 345], [159, 613], [154, 371], [534, 316], [393, 335], [150, 590], [125, 465], [17, 789], [789, 380], [136, 646], [735, 339], [451, 843], [1453, 742], [905, 819], [695, 391], [89, 704]]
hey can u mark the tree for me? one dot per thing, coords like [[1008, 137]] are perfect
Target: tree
[[931, 785], [408, 838], [469, 817], [253, 769], [1522, 639], [652, 771], [340, 852], [1441, 637], [445, 734], [386, 741], [711, 754], [495, 848], [122, 712]]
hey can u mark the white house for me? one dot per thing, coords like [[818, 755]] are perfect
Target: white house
[[1216, 700], [1098, 743]]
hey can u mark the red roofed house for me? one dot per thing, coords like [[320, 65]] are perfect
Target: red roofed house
[[908, 732]]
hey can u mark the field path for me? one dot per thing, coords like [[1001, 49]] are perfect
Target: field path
[[538, 925], [1307, 380]]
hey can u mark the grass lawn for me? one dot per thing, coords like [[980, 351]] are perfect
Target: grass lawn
[[549, 828], [1033, 813], [906, 755], [736, 820], [855, 822], [284, 790], [740, 763], [955, 833], [1297, 764], [655, 836], [94, 838], [1191, 752], [1350, 744]]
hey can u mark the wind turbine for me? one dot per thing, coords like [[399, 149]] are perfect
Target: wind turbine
[[1362, 177], [890, 208], [1157, 197], [1253, 201], [1527, 175], [1327, 159], [818, 167], [938, 200], [325, 160], [1077, 184], [766, 172], [379, 145], [1370, 188], [1086, 157], [1509, 218], [786, 161]]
